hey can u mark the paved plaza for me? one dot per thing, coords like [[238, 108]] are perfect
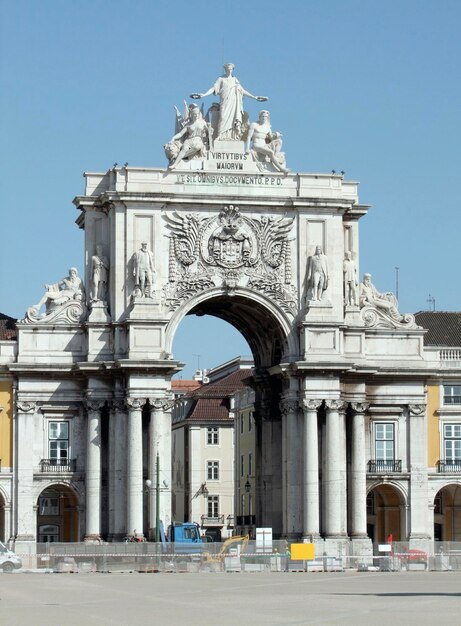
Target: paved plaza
[[350, 598]]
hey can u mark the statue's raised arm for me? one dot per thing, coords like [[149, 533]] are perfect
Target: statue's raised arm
[[231, 95]]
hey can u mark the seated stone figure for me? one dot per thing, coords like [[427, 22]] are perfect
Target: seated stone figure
[[370, 296], [192, 141], [69, 288]]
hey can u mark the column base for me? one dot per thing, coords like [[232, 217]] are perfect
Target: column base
[[361, 545], [336, 546], [421, 542]]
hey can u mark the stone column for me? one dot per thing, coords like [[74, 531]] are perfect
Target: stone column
[[160, 443], [93, 470], [311, 495], [291, 467], [117, 470], [419, 513], [134, 483], [25, 519], [334, 470], [358, 483]]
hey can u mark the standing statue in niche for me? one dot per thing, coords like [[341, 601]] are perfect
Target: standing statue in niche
[[143, 271], [69, 288], [317, 274], [99, 275], [350, 280], [266, 145], [370, 296], [231, 94], [193, 140]]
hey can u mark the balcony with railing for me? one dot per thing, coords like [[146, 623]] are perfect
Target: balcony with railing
[[57, 466], [217, 520], [449, 467], [385, 466]]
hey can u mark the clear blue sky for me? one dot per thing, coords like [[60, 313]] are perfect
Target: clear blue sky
[[372, 88]]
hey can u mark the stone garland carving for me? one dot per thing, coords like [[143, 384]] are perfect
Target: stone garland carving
[[64, 302], [229, 250], [379, 310]]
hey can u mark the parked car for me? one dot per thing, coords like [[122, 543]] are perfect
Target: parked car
[[8, 560]]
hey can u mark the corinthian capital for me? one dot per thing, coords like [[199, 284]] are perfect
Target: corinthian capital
[[288, 405], [26, 407], [336, 405], [135, 403], [161, 404], [416, 409], [93, 404], [360, 407], [311, 404]]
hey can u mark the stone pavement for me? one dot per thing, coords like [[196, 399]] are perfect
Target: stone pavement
[[270, 599]]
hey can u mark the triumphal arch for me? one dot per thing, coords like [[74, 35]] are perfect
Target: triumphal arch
[[223, 228]]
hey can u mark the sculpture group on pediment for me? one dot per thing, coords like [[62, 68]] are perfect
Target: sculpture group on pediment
[[381, 309], [143, 272], [225, 121], [317, 275], [64, 300]]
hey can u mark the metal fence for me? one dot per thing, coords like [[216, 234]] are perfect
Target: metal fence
[[150, 557]]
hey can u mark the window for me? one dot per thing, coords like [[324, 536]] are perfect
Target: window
[[250, 463], [242, 465], [48, 533], [371, 503], [212, 470], [384, 443], [250, 419], [212, 436], [241, 424], [49, 504], [452, 394], [438, 504], [58, 438], [452, 442], [213, 506], [242, 504]]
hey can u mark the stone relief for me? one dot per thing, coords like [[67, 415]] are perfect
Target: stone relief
[[350, 280], [64, 302], [228, 118], [99, 275], [229, 250], [143, 272], [193, 140], [265, 145], [317, 275], [380, 310]]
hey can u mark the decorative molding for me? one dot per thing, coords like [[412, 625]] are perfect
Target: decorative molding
[[288, 406], [93, 404], [135, 403], [336, 405], [161, 404], [377, 318], [71, 312]]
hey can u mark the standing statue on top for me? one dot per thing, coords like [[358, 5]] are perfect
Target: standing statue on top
[[230, 93]]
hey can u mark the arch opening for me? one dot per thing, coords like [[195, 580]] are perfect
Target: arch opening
[[385, 511], [447, 513], [57, 515]]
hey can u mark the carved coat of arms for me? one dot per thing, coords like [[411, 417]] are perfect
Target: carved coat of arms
[[229, 250]]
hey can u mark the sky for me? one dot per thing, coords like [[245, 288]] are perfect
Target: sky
[[371, 88]]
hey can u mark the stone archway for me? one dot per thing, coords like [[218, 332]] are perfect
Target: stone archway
[[447, 513], [57, 515], [385, 507]]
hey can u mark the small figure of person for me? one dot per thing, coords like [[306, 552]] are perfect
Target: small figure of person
[[194, 136], [350, 280], [69, 288], [231, 94], [265, 143], [144, 271], [317, 274], [99, 275], [370, 296]]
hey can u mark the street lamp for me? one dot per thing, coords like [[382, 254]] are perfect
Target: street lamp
[[157, 488]]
